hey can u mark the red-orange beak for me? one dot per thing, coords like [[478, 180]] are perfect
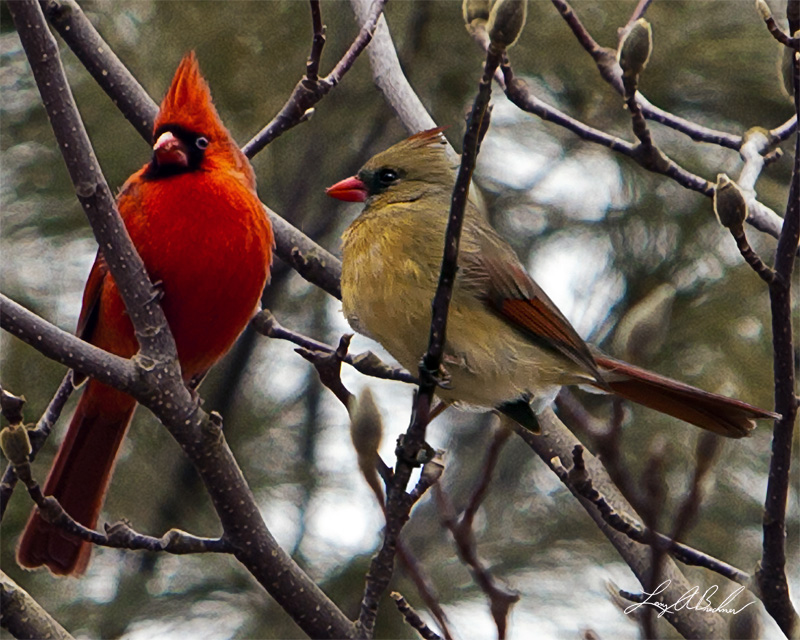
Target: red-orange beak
[[349, 190], [169, 150]]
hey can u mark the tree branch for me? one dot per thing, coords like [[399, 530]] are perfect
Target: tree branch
[[557, 443], [38, 436], [310, 260], [23, 616], [367, 363], [310, 89], [105, 67], [139, 295], [771, 575]]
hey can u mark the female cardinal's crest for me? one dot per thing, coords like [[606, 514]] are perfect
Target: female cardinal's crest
[[188, 102]]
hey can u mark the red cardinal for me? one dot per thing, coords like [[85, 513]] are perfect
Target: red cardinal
[[198, 225]]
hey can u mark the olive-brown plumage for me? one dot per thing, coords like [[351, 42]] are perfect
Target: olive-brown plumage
[[507, 344]]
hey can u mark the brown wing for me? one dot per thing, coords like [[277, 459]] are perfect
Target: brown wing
[[493, 270]]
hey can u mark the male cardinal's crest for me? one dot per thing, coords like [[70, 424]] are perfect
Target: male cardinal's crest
[[188, 102], [193, 214]]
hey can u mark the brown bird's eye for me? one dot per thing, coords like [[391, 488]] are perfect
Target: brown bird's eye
[[201, 142], [387, 176]]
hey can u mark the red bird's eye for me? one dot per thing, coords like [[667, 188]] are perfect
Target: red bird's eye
[[201, 142]]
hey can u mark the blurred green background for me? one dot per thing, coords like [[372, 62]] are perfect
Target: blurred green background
[[598, 232]]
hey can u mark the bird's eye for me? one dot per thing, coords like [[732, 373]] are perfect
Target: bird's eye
[[388, 176], [201, 142]]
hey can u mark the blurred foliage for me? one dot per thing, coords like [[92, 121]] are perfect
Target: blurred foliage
[[620, 231]]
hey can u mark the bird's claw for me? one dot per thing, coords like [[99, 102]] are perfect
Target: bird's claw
[[437, 378], [425, 454], [157, 293]]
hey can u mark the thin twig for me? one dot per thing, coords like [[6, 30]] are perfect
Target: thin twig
[[398, 503], [310, 90], [413, 619], [777, 33], [519, 93], [605, 59], [317, 43], [119, 535], [579, 479], [500, 599], [639, 11], [367, 363], [38, 437]]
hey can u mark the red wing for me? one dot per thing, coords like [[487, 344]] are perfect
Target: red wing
[[535, 316], [91, 297], [516, 297]]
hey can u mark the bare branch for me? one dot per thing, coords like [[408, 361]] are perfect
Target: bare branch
[[66, 348], [367, 363], [605, 60], [310, 90], [413, 619], [38, 437], [119, 535], [136, 290], [771, 575], [500, 599], [329, 365], [136, 105], [390, 79], [557, 443], [23, 616], [776, 32], [317, 43]]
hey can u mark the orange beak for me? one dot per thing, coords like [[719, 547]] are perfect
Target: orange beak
[[169, 150], [349, 190]]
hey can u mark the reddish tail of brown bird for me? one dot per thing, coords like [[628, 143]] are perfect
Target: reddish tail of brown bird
[[79, 479], [725, 416]]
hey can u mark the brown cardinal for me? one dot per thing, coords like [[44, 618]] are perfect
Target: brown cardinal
[[196, 221], [507, 344]]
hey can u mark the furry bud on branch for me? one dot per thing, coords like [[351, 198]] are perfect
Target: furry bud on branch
[[506, 21], [15, 443], [635, 46], [366, 432], [475, 10], [730, 205]]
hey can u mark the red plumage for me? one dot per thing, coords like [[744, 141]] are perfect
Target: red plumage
[[196, 221]]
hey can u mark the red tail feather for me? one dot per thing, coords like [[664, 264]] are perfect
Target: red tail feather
[[725, 416], [79, 479]]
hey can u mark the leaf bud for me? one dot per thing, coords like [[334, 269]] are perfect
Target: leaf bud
[[366, 425], [506, 20], [473, 10], [730, 205], [635, 46], [15, 443]]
